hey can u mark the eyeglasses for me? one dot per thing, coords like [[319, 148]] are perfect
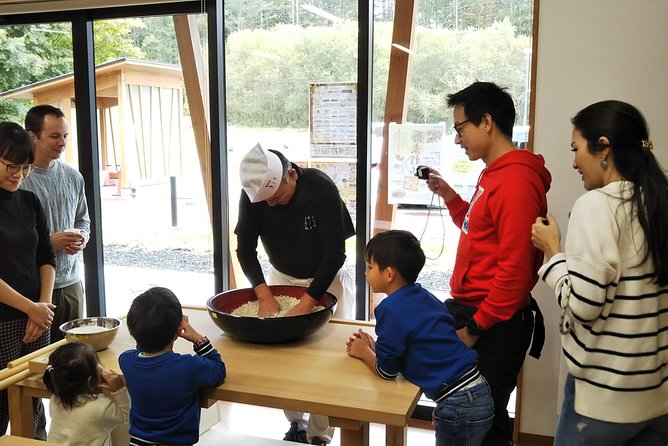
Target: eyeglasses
[[458, 126], [15, 168]]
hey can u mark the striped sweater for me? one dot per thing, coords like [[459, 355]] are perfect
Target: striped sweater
[[617, 345]]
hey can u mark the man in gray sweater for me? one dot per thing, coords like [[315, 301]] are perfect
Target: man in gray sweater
[[60, 188]]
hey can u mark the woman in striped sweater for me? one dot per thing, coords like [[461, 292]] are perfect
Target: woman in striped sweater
[[611, 282]]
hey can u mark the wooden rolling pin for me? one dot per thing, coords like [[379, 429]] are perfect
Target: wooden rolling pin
[[20, 364], [35, 354], [6, 373], [15, 378]]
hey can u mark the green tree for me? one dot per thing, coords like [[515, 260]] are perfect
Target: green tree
[[32, 53], [156, 38], [269, 71], [28, 53], [473, 14], [449, 60], [113, 39]]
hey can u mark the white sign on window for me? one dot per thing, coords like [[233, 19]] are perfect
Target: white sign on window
[[412, 145], [333, 124]]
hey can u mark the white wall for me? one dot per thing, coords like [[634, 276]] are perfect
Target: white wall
[[588, 51]]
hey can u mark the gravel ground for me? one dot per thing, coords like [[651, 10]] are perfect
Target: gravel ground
[[178, 259], [172, 259]]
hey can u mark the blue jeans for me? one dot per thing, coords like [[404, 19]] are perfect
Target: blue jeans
[[577, 430], [501, 352], [463, 419]]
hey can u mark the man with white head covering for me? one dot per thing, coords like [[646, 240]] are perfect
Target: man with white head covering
[[303, 224]]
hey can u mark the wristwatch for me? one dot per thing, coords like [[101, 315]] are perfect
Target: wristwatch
[[473, 327]]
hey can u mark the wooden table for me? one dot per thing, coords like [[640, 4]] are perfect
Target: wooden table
[[11, 440], [314, 375]]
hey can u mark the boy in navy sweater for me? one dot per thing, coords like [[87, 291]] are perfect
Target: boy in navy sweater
[[164, 386], [416, 337]]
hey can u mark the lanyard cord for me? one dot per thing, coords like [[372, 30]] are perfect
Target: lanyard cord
[[440, 212]]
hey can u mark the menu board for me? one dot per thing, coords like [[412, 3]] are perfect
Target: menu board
[[333, 120]]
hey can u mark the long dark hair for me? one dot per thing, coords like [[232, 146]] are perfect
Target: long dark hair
[[72, 371], [631, 151]]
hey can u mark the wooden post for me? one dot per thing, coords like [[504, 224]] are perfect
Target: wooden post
[[71, 156], [190, 52], [20, 412], [104, 159], [195, 84], [124, 100], [396, 104], [396, 107]]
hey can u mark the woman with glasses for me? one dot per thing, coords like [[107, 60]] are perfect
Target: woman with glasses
[[611, 282], [27, 261]]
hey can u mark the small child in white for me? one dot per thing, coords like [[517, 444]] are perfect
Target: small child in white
[[88, 401], [417, 338]]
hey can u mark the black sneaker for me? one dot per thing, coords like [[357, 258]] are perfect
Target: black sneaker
[[295, 434]]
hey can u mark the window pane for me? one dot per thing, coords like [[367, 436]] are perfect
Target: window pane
[[156, 225], [456, 43], [281, 57]]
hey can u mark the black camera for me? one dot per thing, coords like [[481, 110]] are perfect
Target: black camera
[[422, 172]]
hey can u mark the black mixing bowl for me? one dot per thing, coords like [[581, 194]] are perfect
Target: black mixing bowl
[[267, 330]]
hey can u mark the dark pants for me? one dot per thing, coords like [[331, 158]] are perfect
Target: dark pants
[[12, 348], [69, 306], [501, 351]]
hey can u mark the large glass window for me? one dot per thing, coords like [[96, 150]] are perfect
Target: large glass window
[[456, 42], [282, 59], [279, 56], [156, 224]]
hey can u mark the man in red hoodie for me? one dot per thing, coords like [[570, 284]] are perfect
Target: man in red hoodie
[[496, 265]]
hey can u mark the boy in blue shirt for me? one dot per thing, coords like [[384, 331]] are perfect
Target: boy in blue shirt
[[164, 386], [416, 337]]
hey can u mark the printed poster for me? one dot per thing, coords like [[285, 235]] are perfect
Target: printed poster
[[333, 120], [411, 145]]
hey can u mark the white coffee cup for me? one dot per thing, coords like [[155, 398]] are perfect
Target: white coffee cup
[[73, 231]]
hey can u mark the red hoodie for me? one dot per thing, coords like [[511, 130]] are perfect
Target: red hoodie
[[497, 265]]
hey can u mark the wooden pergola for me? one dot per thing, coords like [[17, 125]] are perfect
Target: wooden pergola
[[140, 112]]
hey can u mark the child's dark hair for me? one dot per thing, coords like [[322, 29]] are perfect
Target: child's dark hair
[[72, 371], [154, 318], [399, 250]]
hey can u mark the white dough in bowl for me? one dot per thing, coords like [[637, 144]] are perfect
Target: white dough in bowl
[[286, 303]]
